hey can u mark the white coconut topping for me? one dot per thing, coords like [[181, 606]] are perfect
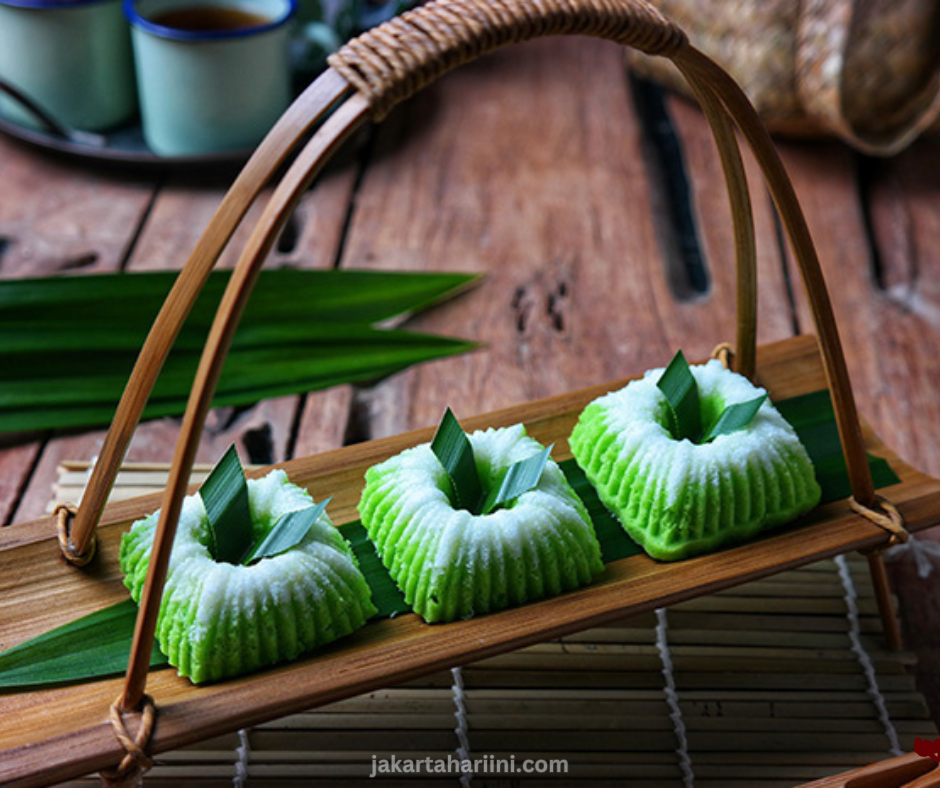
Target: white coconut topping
[[219, 619], [421, 482], [223, 587], [635, 412], [444, 556]]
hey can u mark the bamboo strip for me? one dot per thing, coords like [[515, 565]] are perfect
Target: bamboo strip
[[133, 480], [579, 743], [628, 648], [850, 757], [586, 703], [858, 717], [625, 679], [718, 637], [777, 709], [555, 718], [795, 770], [778, 623], [594, 774], [704, 664], [718, 603]]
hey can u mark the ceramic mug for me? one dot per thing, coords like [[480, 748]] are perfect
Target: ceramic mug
[[71, 57], [212, 76]]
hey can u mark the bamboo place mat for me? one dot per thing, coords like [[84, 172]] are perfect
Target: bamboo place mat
[[773, 683]]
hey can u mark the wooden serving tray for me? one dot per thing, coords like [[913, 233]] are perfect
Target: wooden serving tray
[[55, 734]]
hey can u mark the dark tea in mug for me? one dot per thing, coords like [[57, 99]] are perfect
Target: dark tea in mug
[[209, 18]]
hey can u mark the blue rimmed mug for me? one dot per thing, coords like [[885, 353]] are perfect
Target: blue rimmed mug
[[209, 86], [71, 57]]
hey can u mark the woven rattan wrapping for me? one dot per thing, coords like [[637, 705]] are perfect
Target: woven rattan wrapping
[[394, 61]]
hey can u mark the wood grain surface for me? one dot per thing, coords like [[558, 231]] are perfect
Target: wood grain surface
[[534, 166]]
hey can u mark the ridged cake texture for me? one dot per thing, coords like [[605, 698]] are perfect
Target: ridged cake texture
[[219, 620], [677, 498], [451, 564]]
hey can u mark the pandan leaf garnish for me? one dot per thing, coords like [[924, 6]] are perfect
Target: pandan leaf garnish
[[287, 532], [519, 477], [735, 417], [225, 495], [678, 385], [452, 448], [685, 415]]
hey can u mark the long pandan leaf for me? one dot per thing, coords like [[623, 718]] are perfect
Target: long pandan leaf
[[68, 344], [94, 646], [346, 295], [247, 378]]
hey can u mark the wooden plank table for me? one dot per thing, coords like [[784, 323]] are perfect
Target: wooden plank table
[[545, 168]]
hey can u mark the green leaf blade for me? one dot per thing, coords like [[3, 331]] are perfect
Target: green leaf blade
[[287, 532], [519, 478], [225, 496], [79, 394], [94, 646], [69, 370], [331, 295], [452, 447], [735, 417], [678, 386]]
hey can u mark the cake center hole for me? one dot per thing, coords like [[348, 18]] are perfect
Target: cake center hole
[[490, 479], [711, 407]]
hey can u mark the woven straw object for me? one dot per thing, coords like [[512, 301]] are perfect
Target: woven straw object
[[867, 71]]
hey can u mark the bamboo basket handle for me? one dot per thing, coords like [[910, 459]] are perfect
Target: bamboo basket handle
[[389, 64], [707, 77], [76, 537]]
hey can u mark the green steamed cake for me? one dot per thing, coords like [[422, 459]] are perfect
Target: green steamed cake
[[451, 564], [677, 498], [219, 620]]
